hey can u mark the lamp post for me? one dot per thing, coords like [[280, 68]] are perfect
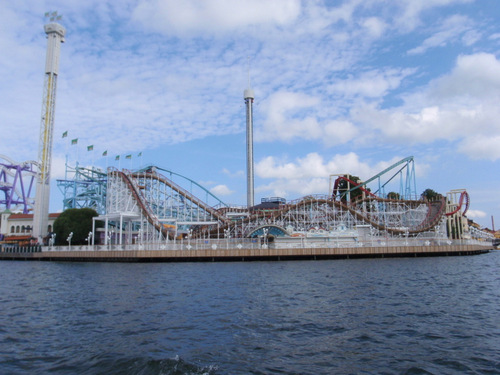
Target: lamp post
[[226, 234], [69, 239], [190, 233], [52, 240], [265, 231], [89, 238]]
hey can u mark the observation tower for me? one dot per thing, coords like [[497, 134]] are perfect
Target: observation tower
[[249, 97], [55, 36]]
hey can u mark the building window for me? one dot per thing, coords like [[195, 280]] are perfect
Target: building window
[[17, 229], [23, 229], [12, 229]]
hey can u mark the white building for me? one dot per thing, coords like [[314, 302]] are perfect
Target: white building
[[18, 228]]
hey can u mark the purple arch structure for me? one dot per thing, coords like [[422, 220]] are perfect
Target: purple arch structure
[[16, 184]]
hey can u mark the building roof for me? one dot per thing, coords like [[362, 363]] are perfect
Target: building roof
[[17, 238], [265, 206], [30, 216]]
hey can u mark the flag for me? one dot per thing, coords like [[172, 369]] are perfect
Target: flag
[[65, 134], [128, 157], [90, 148], [139, 154], [105, 153], [117, 157], [74, 141]]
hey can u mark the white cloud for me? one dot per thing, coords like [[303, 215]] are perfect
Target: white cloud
[[312, 174], [481, 146], [475, 214], [339, 132], [370, 84], [295, 188], [412, 11], [475, 76], [449, 31], [288, 117], [461, 106], [375, 26], [291, 116], [188, 16], [221, 190], [471, 37], [238, 173]]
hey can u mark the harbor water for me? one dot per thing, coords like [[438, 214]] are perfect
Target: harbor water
[[435, 315]]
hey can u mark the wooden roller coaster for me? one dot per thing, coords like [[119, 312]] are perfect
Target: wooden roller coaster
[[367, 208]]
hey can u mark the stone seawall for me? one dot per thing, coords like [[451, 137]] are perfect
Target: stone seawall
[[235, 254]]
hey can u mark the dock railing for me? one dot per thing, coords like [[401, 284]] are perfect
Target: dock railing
[[259, 243]]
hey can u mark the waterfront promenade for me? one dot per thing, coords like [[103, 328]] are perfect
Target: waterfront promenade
[[190, 252]]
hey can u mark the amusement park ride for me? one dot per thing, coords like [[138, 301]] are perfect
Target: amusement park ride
[[155, 205], [16, 184], [160, 205]]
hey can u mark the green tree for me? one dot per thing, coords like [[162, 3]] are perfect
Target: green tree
[[393, 195], [76, 220], [344, 186], [431, 195]]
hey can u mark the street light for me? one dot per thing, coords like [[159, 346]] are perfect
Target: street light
[[226, 234], [52, 240], [69, 239], [89, 238], [139, 236], [265, 231], [190, 233]]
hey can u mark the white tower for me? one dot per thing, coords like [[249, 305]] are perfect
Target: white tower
[[55, 36], [249, 97]]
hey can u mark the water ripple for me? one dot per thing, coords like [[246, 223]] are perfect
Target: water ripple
[[383, 316]]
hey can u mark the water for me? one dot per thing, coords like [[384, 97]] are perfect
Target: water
[[373, 316]]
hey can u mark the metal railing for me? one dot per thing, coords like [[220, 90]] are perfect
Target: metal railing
[[261, 243]]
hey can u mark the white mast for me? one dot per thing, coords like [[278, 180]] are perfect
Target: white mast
[[55, 36], [249, 97]]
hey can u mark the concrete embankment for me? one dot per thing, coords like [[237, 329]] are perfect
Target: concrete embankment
[[235, 254]]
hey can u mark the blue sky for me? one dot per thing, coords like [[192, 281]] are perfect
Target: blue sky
[[341, 87]]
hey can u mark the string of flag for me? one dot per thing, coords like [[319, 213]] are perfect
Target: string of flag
[[104, 153]]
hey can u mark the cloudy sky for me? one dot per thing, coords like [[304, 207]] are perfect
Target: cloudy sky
[[340, 87]]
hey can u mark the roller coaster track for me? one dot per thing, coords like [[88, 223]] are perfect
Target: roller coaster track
[[182, 192], [434, 213], [407, 191], [406, 161], [355, 184], [464, 196], [130, 181], [435, 209], [141, 201], [153, 169]]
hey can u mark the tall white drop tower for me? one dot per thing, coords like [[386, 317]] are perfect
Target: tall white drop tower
[[55, 36], [249, 97]]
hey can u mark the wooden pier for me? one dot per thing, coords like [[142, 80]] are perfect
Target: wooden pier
[[235, 254]]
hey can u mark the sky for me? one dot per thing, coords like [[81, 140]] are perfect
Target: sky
[[340, 87]]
